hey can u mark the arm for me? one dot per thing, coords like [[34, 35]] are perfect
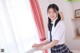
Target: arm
[[50, 45], [41, 44], [44, 42]]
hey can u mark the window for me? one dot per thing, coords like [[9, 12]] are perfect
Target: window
[[21, 23]]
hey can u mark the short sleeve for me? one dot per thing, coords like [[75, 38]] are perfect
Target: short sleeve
[[48, 37], [59, 31]]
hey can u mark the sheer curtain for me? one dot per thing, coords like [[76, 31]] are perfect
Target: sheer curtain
[[18, 28], [7, 34], [38, 19]]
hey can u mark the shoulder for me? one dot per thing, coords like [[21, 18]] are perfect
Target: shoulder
[[61, 24]]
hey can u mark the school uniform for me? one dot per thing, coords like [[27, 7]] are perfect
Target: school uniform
[[58, 33]]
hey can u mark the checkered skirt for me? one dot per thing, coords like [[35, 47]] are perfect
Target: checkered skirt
[[60, 49]]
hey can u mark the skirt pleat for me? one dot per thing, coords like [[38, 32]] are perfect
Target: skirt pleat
[[60, 49]]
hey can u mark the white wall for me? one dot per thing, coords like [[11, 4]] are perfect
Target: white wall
[[76, 5], [66, 9]]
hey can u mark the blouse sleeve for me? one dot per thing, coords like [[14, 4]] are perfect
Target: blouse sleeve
[[48, 37], [59, 31]]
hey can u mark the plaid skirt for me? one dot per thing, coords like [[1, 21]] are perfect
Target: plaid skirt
[[60, 49]]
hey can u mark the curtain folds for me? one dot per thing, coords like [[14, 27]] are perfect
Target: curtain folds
[[38, 20]]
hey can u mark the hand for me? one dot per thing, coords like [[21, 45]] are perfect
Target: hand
[[35, 45], [38, 48]]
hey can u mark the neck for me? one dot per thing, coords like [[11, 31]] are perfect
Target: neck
[[53, 19]]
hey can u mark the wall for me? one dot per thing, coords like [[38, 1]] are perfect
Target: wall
[[76, 5]]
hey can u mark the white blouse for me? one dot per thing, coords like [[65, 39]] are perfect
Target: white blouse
[[58, 32]]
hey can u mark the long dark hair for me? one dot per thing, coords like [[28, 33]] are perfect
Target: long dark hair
[[55, 8]]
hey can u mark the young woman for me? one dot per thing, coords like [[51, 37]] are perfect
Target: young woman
[[56, 33]]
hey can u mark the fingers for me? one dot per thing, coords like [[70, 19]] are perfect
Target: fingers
[[35, 45], [38, 48]]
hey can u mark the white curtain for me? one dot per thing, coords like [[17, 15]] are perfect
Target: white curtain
[[17, 27]]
